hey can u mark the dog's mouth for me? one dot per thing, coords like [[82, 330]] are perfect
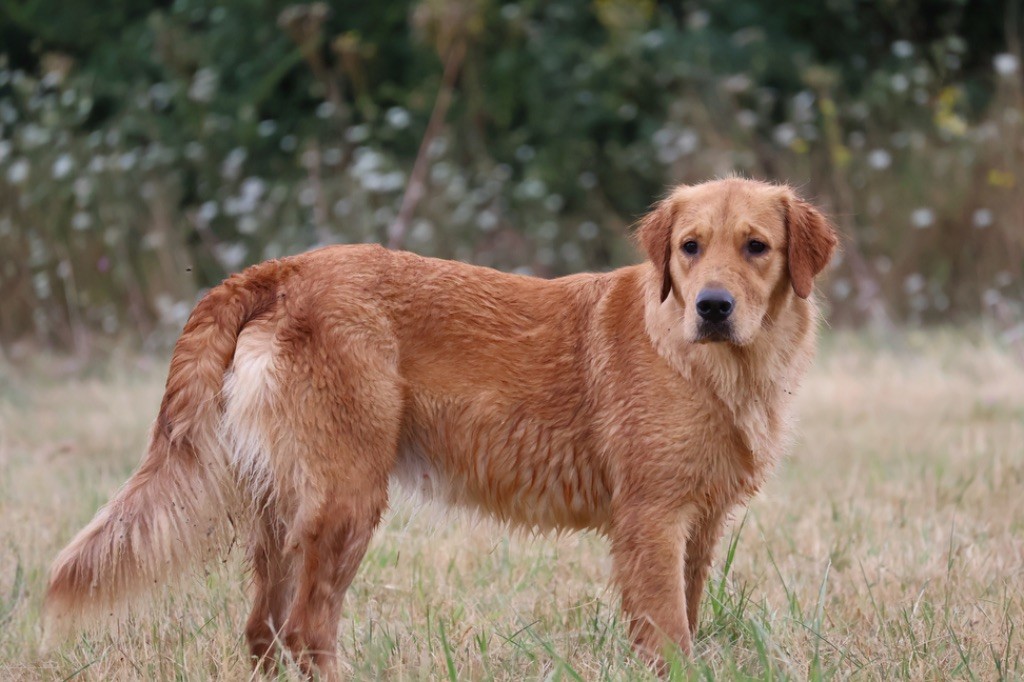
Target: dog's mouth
[[714, 332]]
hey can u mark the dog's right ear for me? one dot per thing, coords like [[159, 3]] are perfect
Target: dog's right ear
[[655, 237]]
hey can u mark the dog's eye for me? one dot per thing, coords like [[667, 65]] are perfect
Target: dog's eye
[[690, 247], [756, 247]]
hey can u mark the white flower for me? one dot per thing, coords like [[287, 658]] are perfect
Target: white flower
[[398, 118], [879, 159], [253, 188], [18, 172], [554, 202], [438, 146], [913, 283], [746, 119], [698, 20], [736, 83], [161, 94], [687, 142], [231, 255], [8, 114], [922, 217], [41, 283], [367, 160], [332, 156], [653, 39], [902, 48], [62, 166], [393, 181], [127, 160], [204, 85], [803, 103], [663, 137], [233, 163], [533, 188], [784, 134], [487, 221], [440, 172], [266, 128], [325, 110], [248, 225], [982, 218], [357, 133], [422, 231], [1005, 64], [208, 211], [33, 135], [81, 221], [341, 208], [899, 83]]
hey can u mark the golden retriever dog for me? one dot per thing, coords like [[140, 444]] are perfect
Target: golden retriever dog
[[644, 403]]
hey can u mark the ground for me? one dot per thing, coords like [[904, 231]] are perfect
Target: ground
[[890, 544]]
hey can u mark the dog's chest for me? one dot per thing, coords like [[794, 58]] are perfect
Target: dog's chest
[[717, 449], [760, 422]]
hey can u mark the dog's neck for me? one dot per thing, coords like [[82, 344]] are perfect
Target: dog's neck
[[756, 382]]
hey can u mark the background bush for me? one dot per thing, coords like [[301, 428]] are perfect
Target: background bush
[[148, 148]]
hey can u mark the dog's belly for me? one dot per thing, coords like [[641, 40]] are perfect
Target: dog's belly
[[516, 467]]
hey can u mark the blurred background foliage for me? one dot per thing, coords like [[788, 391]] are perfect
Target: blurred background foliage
[[147, 148]]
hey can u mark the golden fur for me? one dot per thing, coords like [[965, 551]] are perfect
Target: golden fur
[[300, 387]]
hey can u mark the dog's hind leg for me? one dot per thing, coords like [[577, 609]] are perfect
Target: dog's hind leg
[[272, 584], [329, 547], [341, 422]]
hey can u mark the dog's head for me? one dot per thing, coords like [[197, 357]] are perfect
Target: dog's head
[[728, 251]]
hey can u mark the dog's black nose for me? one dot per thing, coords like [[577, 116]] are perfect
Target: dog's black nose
[[715, 305]]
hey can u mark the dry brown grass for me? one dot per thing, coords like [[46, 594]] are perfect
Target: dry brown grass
[[889, 545]]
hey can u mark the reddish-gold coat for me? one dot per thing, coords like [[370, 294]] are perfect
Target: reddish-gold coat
[[300, 387]]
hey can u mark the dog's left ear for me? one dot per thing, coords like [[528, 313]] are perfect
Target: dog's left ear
[[812, 239], [655, 237]]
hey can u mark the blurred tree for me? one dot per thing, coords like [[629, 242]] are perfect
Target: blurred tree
[[147, 148]]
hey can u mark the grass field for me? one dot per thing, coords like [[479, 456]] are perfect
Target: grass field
[[890, 545]]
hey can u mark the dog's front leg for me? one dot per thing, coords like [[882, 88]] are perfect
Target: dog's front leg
[[648, 550], [700, 548]]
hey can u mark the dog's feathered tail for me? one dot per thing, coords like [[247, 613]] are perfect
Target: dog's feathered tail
[[178, 504]]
